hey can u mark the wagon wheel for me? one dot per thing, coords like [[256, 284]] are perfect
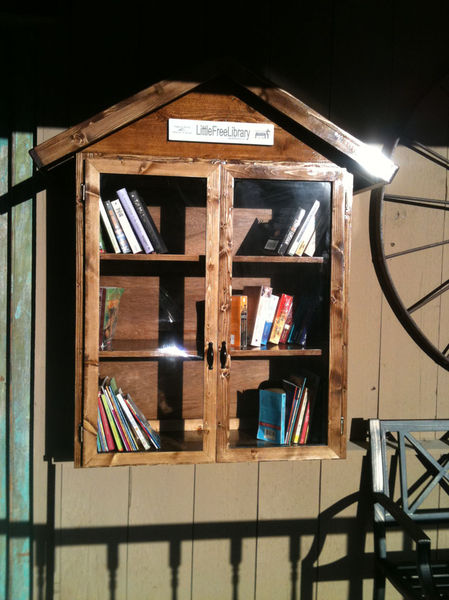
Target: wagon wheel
[[395, 263]]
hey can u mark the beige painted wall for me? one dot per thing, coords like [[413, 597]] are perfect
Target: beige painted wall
[[271, 530]]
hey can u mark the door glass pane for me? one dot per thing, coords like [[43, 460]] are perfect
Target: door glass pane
[[156, 353], [266, 263]]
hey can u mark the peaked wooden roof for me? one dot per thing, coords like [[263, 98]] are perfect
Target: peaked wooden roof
[[364, 161]]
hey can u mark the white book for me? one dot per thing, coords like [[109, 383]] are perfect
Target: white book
[[126, 226], [259, 324], [107, 225], [308, 233], [301, 229]]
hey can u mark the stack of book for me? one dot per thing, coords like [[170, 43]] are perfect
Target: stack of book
[[285, 411], [122, 427], [291, 233], [274, 318], [127, 226]]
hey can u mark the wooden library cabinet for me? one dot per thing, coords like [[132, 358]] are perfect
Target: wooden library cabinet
[[171, 351]]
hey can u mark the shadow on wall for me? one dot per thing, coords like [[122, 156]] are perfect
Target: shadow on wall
[[354, 568]]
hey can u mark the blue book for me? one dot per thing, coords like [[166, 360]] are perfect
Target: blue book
[[272, 415]]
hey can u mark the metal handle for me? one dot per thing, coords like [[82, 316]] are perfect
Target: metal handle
[[210, 355], [223, 355]]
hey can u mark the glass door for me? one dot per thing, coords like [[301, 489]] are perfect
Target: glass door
[[281, 369], [150, 312]]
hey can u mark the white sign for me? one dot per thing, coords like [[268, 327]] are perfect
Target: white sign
[[222, 132]]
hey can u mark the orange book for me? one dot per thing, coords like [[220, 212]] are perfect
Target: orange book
[[238, 326], [280, 317]]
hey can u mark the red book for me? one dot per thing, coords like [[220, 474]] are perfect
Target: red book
[[288, 323], [284, 305]]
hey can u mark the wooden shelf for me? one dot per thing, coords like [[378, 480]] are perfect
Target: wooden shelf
[[149, 349], [278, 259], [152, 257], [275, 350]]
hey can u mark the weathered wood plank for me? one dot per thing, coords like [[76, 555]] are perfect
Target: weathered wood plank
[[20, 372], [4, 287]]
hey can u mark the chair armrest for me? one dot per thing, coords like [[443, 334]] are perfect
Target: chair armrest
[[402, 518]]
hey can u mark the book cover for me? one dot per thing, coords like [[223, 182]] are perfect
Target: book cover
[[300, 418], [144, 423], [135, 221], [126, 226], [269, 317], [132, 421], [106, 405], [295, 390], [117, 229], [308, 234], [283, 307], [110, 298], [106, 428], [272, 409], [295, 222], [296, 239], [287, 325], [121, 428], [147, 222], [238, 324], [105, 224], [258, 296]]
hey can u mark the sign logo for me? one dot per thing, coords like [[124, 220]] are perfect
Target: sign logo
[[221, 132]]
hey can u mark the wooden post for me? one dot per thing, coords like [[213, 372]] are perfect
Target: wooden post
[[20, 376]]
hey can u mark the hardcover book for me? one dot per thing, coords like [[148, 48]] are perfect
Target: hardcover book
[[258, 299], [135, 221], [109, 306], [147, 222], [238, 325], [299, 233], [117, 229], [272, 411], [283, 307], [126, 226]]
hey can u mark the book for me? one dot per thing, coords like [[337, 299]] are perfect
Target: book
[[135, 221], [307, 235], [111, 421], [298, 235], [126, 226], [116, 227], [311, 389], [238, 324], [272, 411], [269, 317], [143, 422], [287, 325], [300, 418], [138, 431], [295, 390], [109, 306], [258, 296], [147, 222], [289, 233], [320, 231], [280, 317], [106, 427]]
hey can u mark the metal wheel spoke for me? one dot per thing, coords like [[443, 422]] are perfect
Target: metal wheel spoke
[[428, 153], [416, 249], [415, 201], [430, 296]]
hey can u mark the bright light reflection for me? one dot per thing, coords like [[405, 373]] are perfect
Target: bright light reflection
[[173, 350], [376, 163]]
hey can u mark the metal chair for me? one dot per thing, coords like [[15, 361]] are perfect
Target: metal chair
[[394, 448]]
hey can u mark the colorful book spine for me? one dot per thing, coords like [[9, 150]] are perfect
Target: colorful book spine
[[238, 324], [118, 231], [135, 221], [106, 427], [111, 421], [287, 326], [298, 390], [152, 434], [270, 313], [133, 422], [300, 418], [257, 301], [118, 421], [284, 305], [147, 222]]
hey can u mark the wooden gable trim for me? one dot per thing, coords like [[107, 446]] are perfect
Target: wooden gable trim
[[119, 115]]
